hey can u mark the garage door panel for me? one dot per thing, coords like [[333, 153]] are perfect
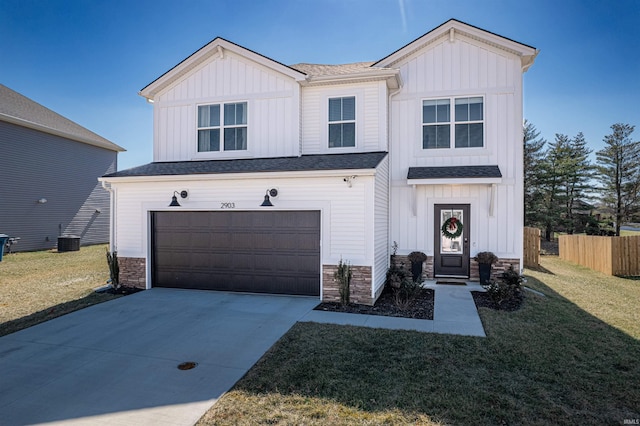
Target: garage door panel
[[266, 251]]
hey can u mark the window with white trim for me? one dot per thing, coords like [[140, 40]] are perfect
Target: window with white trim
[[342, 122], [230, 120], [464, 130]]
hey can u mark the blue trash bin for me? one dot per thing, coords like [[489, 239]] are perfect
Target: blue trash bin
[[3, 243]]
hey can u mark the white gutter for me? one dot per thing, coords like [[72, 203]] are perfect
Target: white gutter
[[112, 215], [236, 176]]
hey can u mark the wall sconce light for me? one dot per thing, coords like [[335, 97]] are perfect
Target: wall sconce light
[[270, 192], [349, 180], [42, 200], [174, 199]]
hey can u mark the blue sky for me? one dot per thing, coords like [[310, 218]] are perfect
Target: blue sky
[[87, 59]]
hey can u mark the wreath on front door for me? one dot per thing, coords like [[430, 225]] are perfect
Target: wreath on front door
[[452, 228]]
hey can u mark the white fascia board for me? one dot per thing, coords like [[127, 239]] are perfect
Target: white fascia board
[[455, 181], [216, 47], [238, 176], [31, 125]]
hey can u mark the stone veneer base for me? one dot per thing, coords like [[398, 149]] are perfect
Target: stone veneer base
[[360, 285], [427, 268], [133, 272]]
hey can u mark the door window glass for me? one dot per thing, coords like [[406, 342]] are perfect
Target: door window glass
[[448, 245]]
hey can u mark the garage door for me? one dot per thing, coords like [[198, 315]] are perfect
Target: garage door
[[258, 251]]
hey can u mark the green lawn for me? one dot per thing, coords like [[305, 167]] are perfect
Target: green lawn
[[38, 286], [568, 358]]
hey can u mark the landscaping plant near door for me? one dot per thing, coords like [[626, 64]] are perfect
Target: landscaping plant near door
[[485, 259]]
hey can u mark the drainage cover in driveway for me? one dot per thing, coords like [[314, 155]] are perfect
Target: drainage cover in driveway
[[187, 365]]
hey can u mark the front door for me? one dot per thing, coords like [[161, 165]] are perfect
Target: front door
[[451, 247]]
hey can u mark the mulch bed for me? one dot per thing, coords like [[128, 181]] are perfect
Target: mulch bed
[[483, 300], [123, 290], [420, 308]]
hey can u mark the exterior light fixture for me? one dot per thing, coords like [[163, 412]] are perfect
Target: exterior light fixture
[[174, 199], [267, 202], [42, 200]]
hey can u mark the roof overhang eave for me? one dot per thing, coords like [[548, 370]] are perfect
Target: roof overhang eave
[[456, 181], [31, 125], [239, 175], [391, 76]]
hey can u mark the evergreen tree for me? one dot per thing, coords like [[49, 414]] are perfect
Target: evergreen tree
[[552, 180], [619, 172], [577, 174], [533, 157]]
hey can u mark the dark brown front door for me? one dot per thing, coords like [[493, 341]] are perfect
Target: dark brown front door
[[251, 251], [451, 255]]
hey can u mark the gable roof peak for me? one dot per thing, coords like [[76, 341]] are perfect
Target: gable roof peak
[[214, 48], [452, 28]]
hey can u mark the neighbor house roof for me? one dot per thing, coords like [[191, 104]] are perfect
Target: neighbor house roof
[[367, 160], [18, 109], [454, 175]]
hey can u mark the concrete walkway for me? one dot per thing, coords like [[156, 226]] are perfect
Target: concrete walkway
[[454, 313]]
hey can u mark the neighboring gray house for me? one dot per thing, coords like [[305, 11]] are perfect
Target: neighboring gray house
[[50, 167]]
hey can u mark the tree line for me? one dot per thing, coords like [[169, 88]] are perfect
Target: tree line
[[565, 191]]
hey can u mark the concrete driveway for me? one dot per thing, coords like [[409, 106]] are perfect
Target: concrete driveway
[[116, 363]]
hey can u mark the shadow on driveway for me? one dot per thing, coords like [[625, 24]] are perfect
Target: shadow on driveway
[[116, 362]]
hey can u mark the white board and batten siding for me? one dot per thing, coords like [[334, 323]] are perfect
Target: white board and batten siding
[[463, 67], [347, 212], [371, 117], [273, 103]]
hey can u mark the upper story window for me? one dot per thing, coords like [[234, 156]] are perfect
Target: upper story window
[[465, 130], [234, 127], [342, 122]]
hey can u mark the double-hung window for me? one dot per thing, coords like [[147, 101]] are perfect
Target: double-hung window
[[342, 122], [230, 120], [464, 130]]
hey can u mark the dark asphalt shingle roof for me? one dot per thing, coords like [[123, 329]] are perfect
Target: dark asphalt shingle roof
[[13, 105], [365, 160], [454, 172]]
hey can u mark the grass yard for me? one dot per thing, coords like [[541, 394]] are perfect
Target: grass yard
[[568, 358], [38, 286]]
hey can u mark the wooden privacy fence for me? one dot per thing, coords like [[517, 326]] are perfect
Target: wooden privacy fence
[[610, 255], [531, 254]]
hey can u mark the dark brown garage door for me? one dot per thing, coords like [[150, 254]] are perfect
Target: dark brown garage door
[[258, 251]]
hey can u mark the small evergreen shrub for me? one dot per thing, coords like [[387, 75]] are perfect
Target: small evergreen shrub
[[343, 277], [508, 289], [114, 269]]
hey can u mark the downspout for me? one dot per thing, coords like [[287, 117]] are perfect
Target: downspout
[[112, 216], [391, 95]]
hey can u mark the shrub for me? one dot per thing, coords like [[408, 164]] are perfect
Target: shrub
[[403, 288], [506, 290], [114, 270], [417, 257], [486, 257], [343, 277]]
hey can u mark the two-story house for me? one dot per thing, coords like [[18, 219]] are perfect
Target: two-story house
[[266, 175]]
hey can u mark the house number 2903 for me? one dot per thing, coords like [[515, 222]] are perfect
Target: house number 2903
[[227, 205]]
